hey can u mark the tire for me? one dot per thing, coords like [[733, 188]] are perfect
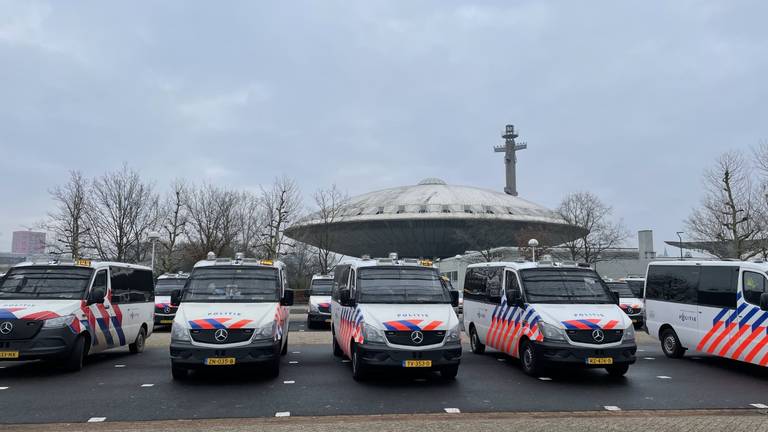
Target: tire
[[474, 341], [359, 372], [74, 362], [284, 349], [179, 373], [528, 360], [670, 344], [138, 345], [617, 371], [310, 324], [337, 352], [449, 372]]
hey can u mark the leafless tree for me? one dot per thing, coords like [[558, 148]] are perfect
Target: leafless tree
[[727, 217], [67, 223], [585, 210], [173, 226], [123, 209], [280, 205], [213, 220], [250, 228], [330, 204]]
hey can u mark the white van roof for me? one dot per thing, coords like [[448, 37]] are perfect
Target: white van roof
[[251, 262], [405, 262], [763, 266], [179, 275], [520, 265], [97, 265], [322, 276]]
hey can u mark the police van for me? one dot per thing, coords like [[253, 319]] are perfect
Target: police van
[[165, 285], [62, 311], [547, 314], [231, 312], [319, 304], [711, 307], [396, 313], [629, 302]]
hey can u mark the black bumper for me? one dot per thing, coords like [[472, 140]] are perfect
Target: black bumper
[[48, 344], [384, 356], [319, 317], [191, 356], [569, 355]]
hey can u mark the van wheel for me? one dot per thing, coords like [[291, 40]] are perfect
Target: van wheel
[[449, 372], [310, 324], [337, 352], [74, 362], [474, 341], [670, 344], [618, 371], [138, 345], [284, 350], [528, 360], [179, 373], [358, 368]]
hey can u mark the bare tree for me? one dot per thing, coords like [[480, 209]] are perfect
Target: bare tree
[[281, 207], [213, 220], [67, 222], [123, 209], [173, 226], [330, 205], [726, 220], [250, 218], [586, 211]]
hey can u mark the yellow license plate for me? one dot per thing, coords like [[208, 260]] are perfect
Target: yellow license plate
[[328, 321], [600, 360], [9, 354], [223, 361], [166, 321], [417, 363]]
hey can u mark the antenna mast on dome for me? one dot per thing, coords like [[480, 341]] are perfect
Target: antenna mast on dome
[[510, 149]]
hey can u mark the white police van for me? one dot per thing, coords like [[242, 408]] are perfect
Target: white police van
[[395, 313], [629, 302], [711, 307], [63, 311], [319, 303], [165, 285], [547, 314], [232, 312]]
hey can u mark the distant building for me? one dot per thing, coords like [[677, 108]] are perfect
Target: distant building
[[28, 242]]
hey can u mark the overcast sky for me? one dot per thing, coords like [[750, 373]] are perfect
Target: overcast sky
[[630, 100]]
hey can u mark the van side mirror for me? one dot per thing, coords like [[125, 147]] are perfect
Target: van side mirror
[[514, 298], [176, 297], [454, 298], [345, 299], [616, 297], [764, 301], [96, 297], [287, 299]]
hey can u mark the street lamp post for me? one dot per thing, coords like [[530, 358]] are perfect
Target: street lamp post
[[153, 236], [680, 236], [532, 243]]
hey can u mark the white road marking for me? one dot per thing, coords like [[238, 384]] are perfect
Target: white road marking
[[147, 385], [293, 362], [119, 366], [96, 419], [345, 361], [545, 378], [612, 408], [760, 406], [301, 330], [289, 382], [500, 359], [283, 414], [296, 352], [649, 358], [3, 388], [640, 350], [663, 377], [452, 410]]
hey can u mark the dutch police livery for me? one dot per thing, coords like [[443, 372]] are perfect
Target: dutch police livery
[[711, 307], [62, 311], [395, 313], [165, 285], [629, 302], [319, 304], [546, 314], [231, 312]]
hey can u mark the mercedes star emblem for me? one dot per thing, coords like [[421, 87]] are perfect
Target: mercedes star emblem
[[417, 337], [6, 327], [167, 309], [630, 311], [598, 335], [221, 335]]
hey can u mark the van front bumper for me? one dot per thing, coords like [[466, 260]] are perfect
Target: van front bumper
[[385, 356], [47, 344], [319, 317], [566, 354], [191, 356], [164, 319]]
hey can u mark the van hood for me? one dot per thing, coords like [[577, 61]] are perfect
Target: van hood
[[162, 302], [320, 301], [225, 315], [575, 317], [633, 302], [409, 317], [38, 309]]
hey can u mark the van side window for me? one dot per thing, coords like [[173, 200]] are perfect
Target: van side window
[[474, 284], [142, 287], [100, 283], [511, 285], [493, 281], [121, 284], [718, 286], [754, 285], [677, 284]]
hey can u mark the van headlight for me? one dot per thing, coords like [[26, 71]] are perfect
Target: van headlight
[[551, 333], [373, 335], [453, 335], [629, 334], [266, 332], [58, 322], [179, 333]]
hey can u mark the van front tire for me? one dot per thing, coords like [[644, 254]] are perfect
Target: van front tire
[[74, 361], [528, 360], [617, 371], [474, 341], [138, 345], [359, 372], [337, 352], [670, 344]]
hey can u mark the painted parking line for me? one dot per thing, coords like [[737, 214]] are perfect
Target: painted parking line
[[147, 385], [289, 382], [452, 410], [612, 408], [283, 414], [545, 378], [345, 361], [296, 352], [663, 377], [96, 419], [500, 359], [649, 358], [293, 362], [759, 405], [119, 365], [4, 388]]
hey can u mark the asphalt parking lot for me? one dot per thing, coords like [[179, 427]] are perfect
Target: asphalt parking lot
[[118, 386]]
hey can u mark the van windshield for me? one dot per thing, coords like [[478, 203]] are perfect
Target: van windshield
[[565, 286], [622, 288], [232, 285], [50, 283], [321, 287], [400, 285], [164, 287]]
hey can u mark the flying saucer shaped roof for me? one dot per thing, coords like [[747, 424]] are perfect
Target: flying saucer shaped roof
[[433, 219]]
